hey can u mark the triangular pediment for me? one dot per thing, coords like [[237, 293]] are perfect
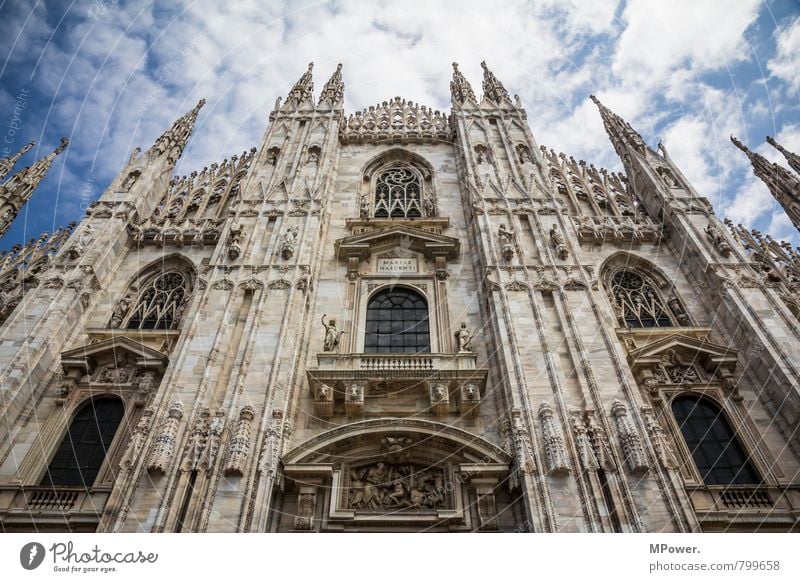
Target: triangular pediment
[[87, 357], [407, 237], [709, 354]]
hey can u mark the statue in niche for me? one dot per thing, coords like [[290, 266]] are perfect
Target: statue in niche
[[557, 240], [120, 311], [332, 335], [678, 310], [289, 241], [667, 177], [364, 207], [428, 204], [81, 243], [506, 237], [234, 242], [717, 239], [463, 338], [129, 181], [313, 156]]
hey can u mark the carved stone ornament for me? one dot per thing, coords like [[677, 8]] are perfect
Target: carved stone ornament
[[553, 441], [717, 239], [629, 439], [164, 445], [386, 486]]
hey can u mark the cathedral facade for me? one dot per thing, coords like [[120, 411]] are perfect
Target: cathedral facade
[[400, 320]]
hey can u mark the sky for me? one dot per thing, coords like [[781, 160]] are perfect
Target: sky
[[113, 75]]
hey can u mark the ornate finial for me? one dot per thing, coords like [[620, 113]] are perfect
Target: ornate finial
[[174, 140], [333, 91], [303, 90], [791, 157], [8, 163], [460, 89], [782, 184], [620, 132], [492, 87]]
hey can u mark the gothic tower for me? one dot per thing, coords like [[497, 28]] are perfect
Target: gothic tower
[[400, 320]]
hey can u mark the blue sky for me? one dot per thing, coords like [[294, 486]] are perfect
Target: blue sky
[[112, 75]]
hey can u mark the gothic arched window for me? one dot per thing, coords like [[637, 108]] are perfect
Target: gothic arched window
[[638, 302], [398, 193], [715, 449], [81, 454], [397, 322], [160, 302]]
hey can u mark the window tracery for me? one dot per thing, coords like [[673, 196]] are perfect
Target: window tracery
[[637, 301], [160, 302], [398, 194]]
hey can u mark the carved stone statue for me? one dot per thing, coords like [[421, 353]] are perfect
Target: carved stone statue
[[717, 239], [558, 242], [234, 242], [120, 311], [289, 241], [667, 176], [129, 181], [428, 204], [463, 338], [81, 243], [678, 310], [364, 211], [332, 335], [506, 237]]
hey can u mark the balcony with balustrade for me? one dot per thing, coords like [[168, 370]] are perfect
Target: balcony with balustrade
[[51, 509]]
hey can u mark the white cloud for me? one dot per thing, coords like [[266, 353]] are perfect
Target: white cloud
[[660, 37], [786, 63]]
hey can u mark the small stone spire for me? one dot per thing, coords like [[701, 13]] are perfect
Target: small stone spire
[[7, 164], [783, 186], [460, 89], [19, 188], [791, 157], [174, 140], [620, 131], [303, 90], [492, 87], [333, 91]]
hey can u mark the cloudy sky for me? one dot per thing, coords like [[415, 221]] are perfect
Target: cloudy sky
[[112, 75]]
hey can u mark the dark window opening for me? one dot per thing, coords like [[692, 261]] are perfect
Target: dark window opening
[[81, 454], [715, 449], [397, 323]]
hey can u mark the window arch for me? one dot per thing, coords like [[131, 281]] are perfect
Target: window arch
[[637, 301], [397, 322], [160, 301], [715, 449], [83, 450], [398, 191]]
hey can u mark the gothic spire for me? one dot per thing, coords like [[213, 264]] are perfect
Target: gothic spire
[[783, 186], [333, 91], [19, 188], [619, 131], [7, 164], [791, 157], [303, 90], [174, 140], [492, 87], [460, 89]]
